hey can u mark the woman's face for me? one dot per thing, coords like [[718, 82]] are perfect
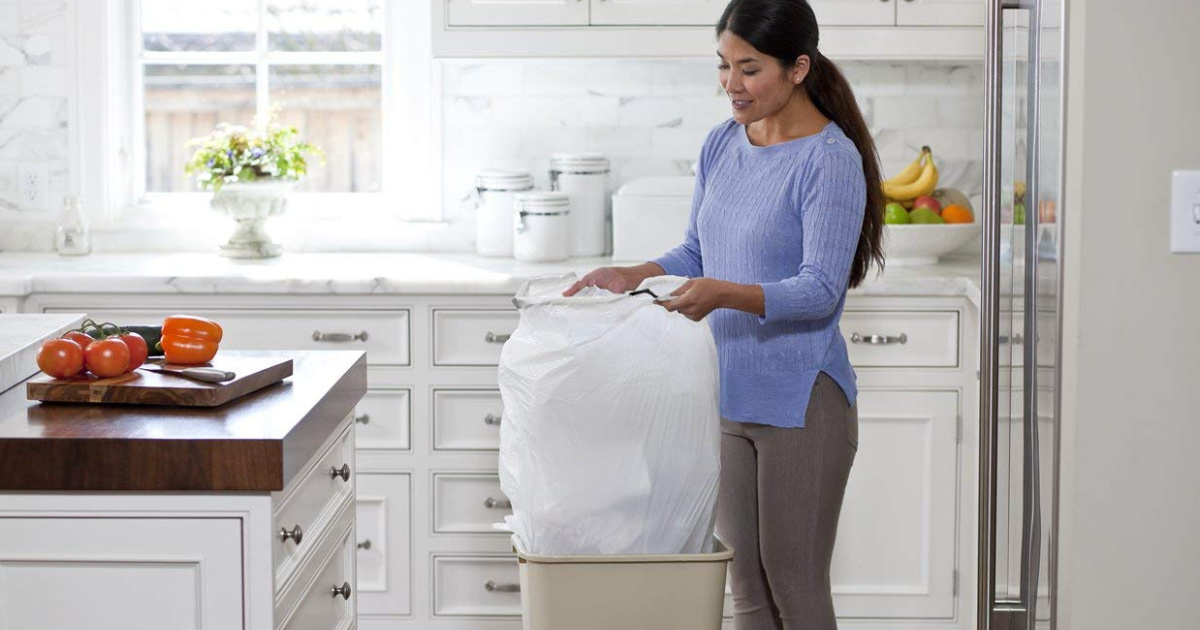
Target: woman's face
[[757, 84]]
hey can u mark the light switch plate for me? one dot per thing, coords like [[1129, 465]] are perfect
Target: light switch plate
[[1185, 212]]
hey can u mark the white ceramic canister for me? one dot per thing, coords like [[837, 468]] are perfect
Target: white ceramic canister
[[584, 176], [541, 226], [494, 191]]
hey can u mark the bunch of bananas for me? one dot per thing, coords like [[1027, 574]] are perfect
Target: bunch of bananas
[[916, 180]]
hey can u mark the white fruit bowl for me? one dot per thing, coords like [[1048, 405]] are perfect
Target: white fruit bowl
[[912, 245]]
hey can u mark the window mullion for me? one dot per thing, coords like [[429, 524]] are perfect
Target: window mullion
[[262, 103]]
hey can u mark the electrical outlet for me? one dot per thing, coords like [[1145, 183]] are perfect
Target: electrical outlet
[[1185, 212], [32, 186]]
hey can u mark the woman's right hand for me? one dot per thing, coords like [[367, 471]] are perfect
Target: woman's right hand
[[615, 279], [609, 278]]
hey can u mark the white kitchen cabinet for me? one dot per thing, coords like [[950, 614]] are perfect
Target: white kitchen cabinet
[[855, 12], [516, 12], [939, 12], [851, 29], [384, 543], [895, 548], [657, 12], [121, 573], [423, 484]]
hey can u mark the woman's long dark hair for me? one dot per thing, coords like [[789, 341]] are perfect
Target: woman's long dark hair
[[786, 29]]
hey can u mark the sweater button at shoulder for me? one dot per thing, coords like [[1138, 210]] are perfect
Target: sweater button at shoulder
[[830, 141]]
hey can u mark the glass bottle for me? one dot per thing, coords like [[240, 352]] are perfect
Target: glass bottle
[[73, 238]]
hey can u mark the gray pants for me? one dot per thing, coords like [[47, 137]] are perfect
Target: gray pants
[[781, 493]]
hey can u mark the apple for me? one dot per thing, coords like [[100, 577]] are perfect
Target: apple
[[928, 202]]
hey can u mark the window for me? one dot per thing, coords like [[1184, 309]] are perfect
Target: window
[[318, 65]]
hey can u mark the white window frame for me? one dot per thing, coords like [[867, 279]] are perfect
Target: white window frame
[[110, 113]]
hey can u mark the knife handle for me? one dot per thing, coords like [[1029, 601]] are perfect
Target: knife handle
[[208, 375]]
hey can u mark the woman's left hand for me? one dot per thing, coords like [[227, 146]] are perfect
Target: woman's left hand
[[699, 296]]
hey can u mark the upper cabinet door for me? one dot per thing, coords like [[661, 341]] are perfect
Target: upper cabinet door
[[657, 12], [516, 12], [939, 13], [855, 12]]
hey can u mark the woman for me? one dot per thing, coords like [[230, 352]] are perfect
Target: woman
[[787, 214]]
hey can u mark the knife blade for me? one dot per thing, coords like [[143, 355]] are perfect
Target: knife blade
[[206, 374]]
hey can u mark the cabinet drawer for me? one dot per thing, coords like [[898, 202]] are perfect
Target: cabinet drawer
[[476, 586], [310, 504], [382, 334], [468, 503], [470, 337], [901, 338], [384, 543], [384, 418], [467, 419], [317, 607]]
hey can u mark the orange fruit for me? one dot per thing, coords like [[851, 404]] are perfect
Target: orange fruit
[[955, 213]]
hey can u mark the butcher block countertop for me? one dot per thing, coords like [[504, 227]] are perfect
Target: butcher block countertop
[[255, 443]]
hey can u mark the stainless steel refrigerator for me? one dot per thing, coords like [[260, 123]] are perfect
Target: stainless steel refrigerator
[[1020, 319]]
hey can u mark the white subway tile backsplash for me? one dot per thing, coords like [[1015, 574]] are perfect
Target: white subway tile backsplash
[[10, 18], [650, 111], [900, 112], [677, 143], [875, 79], [960, 112], [706, 111], [42, 81], [650, 117], [618, 140], [483, 79], [43, 17], [12, 52]]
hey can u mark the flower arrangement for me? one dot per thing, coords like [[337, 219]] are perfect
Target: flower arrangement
[[233, 154]]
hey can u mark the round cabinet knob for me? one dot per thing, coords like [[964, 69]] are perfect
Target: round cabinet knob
[[344, 472], [366, 544], [296, 534], [343, 590], [363, 419]]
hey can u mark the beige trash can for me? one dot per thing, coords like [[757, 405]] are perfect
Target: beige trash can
[[625, 592]]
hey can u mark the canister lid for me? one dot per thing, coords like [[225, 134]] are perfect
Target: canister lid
[[542, 202], [497, 179], [582, 163]]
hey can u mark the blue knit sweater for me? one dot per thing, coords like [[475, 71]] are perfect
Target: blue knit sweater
[[786, 217]]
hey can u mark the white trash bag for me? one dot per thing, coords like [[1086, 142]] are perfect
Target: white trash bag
[[610, 442]]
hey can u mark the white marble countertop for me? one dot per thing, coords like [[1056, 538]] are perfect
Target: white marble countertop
[[359, 274], [20, 336]]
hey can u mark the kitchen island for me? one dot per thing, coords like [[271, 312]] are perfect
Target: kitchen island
[[239, 516]]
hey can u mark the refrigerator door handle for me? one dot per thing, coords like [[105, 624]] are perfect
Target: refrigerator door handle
[[1008, 614]]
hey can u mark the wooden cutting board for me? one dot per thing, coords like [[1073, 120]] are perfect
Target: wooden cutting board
[[142, 387]]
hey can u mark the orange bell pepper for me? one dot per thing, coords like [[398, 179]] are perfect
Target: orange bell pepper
[[188, 340]]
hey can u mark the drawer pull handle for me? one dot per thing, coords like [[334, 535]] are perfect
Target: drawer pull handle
[[339, 337], [493, 587], [296, 534], [366, 544], [343, 590], [363, 419], [491, 503], [879, 340], [343, 472], [491, 420], [1017, 339], [492, 337]]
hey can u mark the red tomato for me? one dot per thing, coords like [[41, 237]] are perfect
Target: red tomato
[[137, 350], [107, 357], [80, 338], [60, 358]]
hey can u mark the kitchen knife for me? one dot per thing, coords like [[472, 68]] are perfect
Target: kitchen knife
[[206, 374]]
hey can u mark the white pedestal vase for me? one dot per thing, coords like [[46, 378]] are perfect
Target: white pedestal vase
[[250, 204]]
